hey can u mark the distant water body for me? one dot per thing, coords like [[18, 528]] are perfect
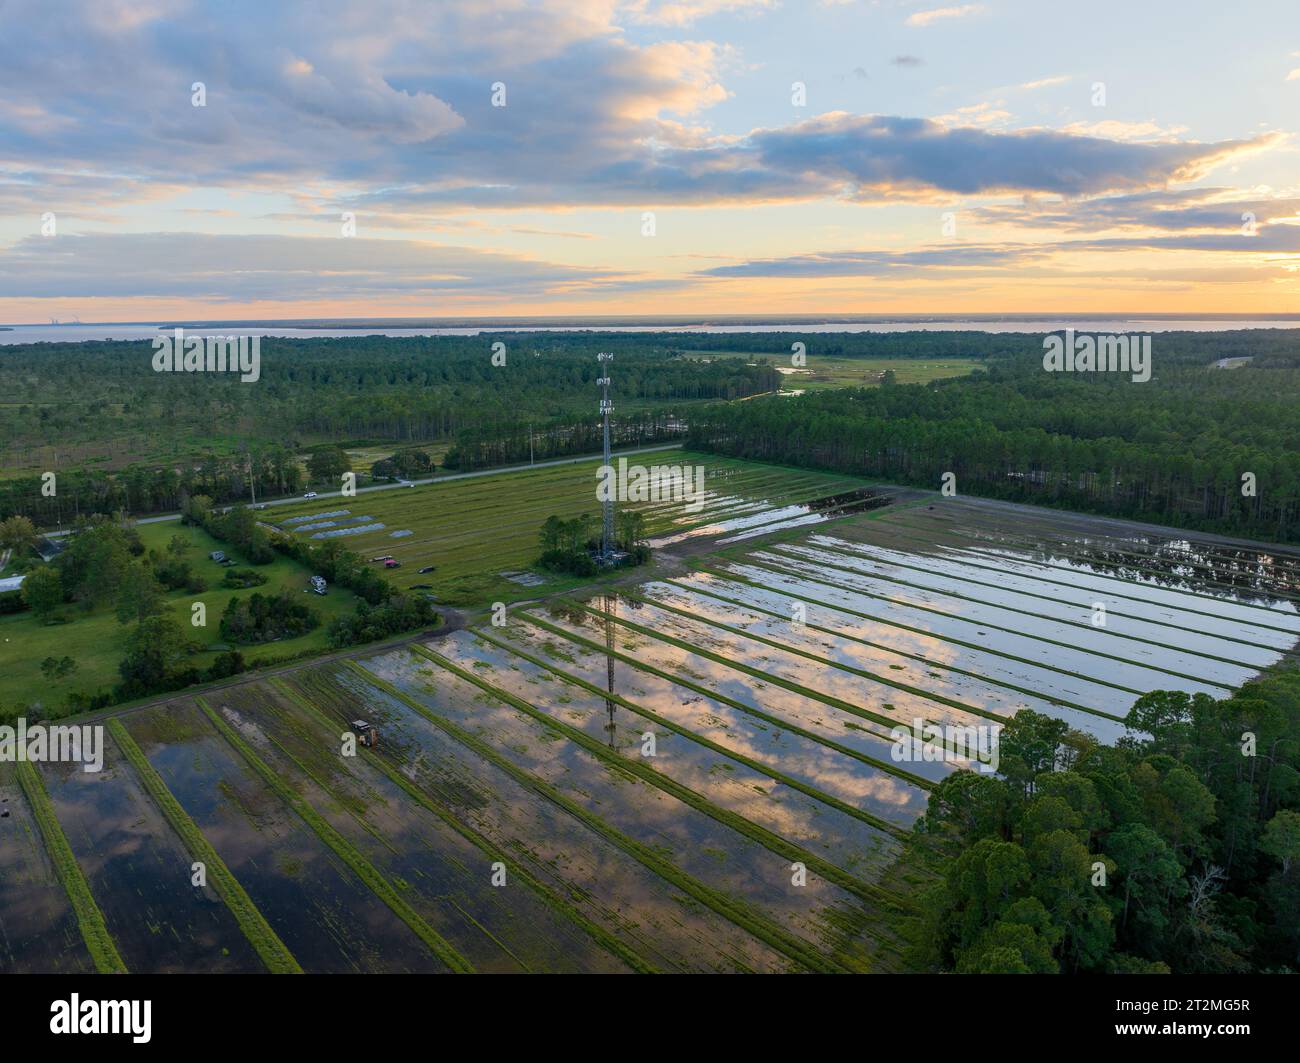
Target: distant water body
[[78, 333]]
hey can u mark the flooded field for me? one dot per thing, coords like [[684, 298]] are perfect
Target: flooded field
[[38, 930], [141, 875], [700, 769]]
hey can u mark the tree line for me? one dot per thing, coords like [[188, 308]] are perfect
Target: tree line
[[117, 435], [1176, 851], [1195, 446]]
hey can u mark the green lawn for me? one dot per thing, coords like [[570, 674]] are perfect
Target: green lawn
[[96, 640]]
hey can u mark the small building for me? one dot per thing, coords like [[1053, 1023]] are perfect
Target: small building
[[49, 549], [217, 556], [366, 733], [318, 584]]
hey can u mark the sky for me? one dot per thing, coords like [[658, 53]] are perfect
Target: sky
[[170, 160]]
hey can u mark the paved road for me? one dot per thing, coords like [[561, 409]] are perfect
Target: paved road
[[431, 480]]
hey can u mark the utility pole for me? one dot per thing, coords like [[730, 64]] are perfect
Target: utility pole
[[607, 529]]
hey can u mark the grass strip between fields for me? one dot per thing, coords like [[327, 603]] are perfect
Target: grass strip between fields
[[273, 952], [682, 681], [733, 910], [94, 931], [772, 773], [673, 788], [350, 855], [598, 933]]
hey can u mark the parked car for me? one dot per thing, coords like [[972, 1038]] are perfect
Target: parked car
[[392, 563], [407, 483], [310, 494], [427, 568]]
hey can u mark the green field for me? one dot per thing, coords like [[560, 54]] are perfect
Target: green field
[[827, 371], [473, 530], [362, 458], [96, 640]]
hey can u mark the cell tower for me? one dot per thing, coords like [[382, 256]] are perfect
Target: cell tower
[[607, 528]]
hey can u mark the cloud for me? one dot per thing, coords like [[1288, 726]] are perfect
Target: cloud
[[953, 260], [1274, 240], [388, 108], [863, 158], [978, 114], [883, 263], [1220, 209], [385, 109], [1042, 83], [395, 94], [938, 14], [207, 267], [1111, 129], [686, 12], [868, 154]]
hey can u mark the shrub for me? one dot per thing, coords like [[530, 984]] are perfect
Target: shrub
[[243, 578]]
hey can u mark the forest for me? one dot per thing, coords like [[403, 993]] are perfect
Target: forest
[[117, 435], [1196, 446], [1176, 852]]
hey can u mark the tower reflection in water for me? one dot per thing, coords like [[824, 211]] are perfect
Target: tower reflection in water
[[609, 665]]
